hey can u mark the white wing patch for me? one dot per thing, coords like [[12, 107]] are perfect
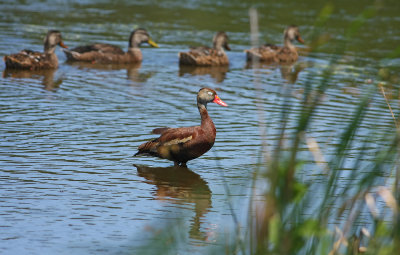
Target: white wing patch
[[177, 141]]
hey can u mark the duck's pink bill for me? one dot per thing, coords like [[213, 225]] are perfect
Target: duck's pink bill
[[218, 100]]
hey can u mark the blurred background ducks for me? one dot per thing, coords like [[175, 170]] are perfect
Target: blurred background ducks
[[31, 60], [277, 54], [205, 56], [110, 54]]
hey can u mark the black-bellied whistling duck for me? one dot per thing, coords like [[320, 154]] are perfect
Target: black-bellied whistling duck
[[110, 54], [186, 143], [32, 60], [205, 56], [276, 54]]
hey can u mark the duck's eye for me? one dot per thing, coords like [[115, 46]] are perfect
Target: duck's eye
[[210, 93]]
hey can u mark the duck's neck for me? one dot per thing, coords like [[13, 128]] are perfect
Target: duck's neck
[[135, 54], [134, 41], [288, 43], [49, 49], [133, 45], [50, 54], [206, 121], [219, 48]]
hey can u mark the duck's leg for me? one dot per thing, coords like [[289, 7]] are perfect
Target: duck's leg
[[181, 164]]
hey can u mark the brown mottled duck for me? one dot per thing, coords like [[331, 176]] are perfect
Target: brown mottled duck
[[32, 60], [109, 54], [277, 54], [205, 56]]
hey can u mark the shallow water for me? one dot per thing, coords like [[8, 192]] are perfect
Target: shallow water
[[68, 181]]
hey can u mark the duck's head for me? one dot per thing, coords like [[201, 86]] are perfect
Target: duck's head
[[139, 36], [292, 33], [220, 41], [207, 95], [52, 39]]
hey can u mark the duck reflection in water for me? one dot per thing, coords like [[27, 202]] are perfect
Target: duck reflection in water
[[289, 72], [46, 75], [180, 185], [218, 73], [132, 70]]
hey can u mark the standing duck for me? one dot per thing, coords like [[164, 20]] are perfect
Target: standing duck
[[110, 54], [186, 143], [276, 54], [205, 56], [32, 60]]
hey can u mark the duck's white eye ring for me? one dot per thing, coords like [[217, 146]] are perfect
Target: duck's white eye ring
[[210, 93]]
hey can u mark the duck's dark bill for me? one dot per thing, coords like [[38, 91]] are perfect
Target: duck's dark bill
[[218, 100]]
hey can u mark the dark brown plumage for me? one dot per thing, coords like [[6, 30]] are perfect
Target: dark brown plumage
[[204, 56], [110, 54], [186, 143], [31, 60], [276, 54]]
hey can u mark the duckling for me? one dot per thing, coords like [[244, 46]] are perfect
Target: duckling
[[276, 54], [205, 56], [110, 54], [32, 60]]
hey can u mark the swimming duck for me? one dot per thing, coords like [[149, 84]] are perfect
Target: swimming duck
[[276, 54], [110, 54], [32, 60], [205, 56], [186, 143]]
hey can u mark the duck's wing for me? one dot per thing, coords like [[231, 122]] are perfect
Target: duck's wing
[[270, 46], [203, 56], [93, 52], [266, 53], [101, 47], [159, 131], [25, 59], [169, 137], [201, 51]]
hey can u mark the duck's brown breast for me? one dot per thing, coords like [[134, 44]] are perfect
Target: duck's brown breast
[[287, 55]]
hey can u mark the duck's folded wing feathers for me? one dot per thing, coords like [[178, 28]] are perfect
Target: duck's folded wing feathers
[[103, 47], [159, 131]]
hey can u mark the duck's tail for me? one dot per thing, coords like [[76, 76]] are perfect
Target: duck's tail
[[185, 58], [148, 148], [71, 55], [17, 62]]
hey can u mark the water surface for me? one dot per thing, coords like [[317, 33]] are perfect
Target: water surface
[[68, 181]]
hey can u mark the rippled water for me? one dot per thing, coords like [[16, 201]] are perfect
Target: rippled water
[[68, 181]]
